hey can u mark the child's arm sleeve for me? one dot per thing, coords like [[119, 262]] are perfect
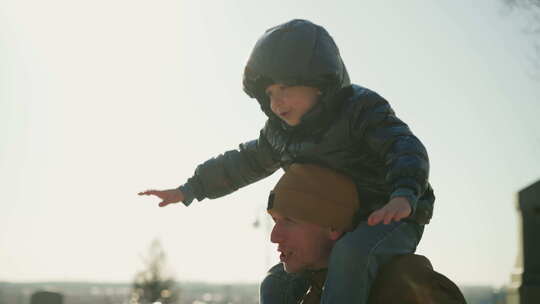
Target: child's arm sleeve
[[405, 157], [226, 173]]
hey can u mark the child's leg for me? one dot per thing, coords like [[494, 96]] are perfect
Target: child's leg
[[356, 258], [279, 287]]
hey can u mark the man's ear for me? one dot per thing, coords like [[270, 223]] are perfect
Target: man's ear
[[335, 234]]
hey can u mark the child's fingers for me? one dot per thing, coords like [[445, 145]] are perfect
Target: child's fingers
[[376, 217], [372, 219], [400, 215], [388, 217], [148, 192], [164, 203], [397, 217]]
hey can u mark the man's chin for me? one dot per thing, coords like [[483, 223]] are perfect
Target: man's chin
[[291, 268]]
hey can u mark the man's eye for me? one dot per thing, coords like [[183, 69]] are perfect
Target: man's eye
[[289, 220], [284, 88]]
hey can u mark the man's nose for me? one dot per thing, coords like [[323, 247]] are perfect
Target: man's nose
[[277, 234]]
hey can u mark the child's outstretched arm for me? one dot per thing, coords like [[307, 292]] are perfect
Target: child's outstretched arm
[[169, 196], [225, 173]]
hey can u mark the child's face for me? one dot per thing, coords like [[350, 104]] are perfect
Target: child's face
[[290, 103]]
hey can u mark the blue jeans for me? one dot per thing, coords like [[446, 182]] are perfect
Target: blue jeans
[[353, 265]]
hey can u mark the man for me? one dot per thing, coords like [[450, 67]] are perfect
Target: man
[[313, 207]]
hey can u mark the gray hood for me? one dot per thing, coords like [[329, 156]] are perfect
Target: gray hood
[[297, 52]]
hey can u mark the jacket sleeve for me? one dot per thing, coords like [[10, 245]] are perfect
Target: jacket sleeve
[[390, 139], [226, 173]]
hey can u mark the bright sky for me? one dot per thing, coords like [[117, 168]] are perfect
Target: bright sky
[[102, 99]]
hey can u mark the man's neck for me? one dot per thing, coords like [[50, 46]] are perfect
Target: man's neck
[[316, 279]]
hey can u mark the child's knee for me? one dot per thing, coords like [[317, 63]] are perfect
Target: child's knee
[[347, 253], [350, 249]]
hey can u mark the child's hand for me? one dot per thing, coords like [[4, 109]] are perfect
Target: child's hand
[[170, 196], [396, 209]]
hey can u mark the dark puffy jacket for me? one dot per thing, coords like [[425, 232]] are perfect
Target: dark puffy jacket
[[351, 129]]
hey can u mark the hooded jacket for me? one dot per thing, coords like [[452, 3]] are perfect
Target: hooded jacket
[[350, 129]]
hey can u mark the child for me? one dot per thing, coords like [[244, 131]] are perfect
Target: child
[[315, 115]]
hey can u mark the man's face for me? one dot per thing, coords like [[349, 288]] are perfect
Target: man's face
[[290, 103], [302, 245]]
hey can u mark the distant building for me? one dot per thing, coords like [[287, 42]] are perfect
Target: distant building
[[525, 279]]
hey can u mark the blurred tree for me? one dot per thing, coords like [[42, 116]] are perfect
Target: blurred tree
[[532, 7], [154, 284], [46, 297], [530, 11], [523, 3]]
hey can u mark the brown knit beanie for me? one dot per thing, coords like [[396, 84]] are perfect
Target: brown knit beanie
[[316, 195]]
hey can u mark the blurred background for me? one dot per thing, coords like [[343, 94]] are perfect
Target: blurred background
[[102, 99]]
